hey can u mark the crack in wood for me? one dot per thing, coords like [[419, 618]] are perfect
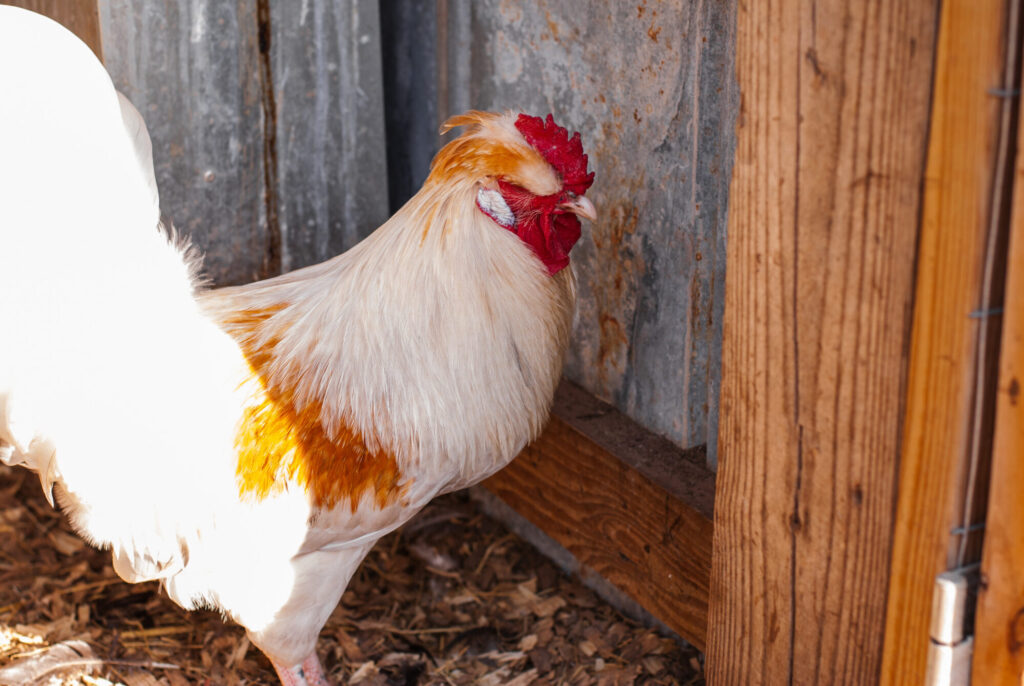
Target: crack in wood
[[272, 259], [794, 523]]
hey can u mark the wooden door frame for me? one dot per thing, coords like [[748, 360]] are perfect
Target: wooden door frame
[[999, 623], [956, 326]]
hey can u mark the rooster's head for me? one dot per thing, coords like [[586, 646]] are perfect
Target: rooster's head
[[530, 174]]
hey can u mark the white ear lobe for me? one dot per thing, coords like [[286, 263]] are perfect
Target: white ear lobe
[[135, 127], [494, 206]]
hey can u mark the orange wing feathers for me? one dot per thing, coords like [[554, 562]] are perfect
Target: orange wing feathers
[[280, 440]]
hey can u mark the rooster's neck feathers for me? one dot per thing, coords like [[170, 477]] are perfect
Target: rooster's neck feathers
[[491, 147]]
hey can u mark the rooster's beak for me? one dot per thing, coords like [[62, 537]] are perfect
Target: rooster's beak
[[582, 207]]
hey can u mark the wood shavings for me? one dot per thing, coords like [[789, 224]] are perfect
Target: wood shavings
[[453, 599], [34, 667]]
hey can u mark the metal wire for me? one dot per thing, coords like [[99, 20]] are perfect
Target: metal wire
[[1009, 92]]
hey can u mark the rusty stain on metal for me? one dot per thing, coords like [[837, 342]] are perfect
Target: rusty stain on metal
[[612, 282]]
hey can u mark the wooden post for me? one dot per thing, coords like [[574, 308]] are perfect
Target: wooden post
[[823, 219], [81, 17], [955, 223], [999, 624]]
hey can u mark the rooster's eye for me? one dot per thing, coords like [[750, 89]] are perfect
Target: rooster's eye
[[494, 206]]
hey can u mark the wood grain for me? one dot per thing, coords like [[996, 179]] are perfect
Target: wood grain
[[999, 623], [955, 220], [823, 220], [81, 17], [639, 516]]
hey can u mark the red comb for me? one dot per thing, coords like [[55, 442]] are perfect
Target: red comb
[[563, 153]]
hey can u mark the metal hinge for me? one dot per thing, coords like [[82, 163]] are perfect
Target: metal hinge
[[950, 647]]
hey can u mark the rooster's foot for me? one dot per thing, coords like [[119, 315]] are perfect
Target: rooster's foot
[[309, 673]]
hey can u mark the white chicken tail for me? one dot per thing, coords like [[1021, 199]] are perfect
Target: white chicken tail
[[77, 162], [104, 352]]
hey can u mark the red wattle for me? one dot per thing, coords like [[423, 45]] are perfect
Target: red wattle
[[549, 231], [551, 237]]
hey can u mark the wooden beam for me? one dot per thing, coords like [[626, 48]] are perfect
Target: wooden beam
[[81, 17], [999, 624], [626, 503], [940, 424], [823, 218]]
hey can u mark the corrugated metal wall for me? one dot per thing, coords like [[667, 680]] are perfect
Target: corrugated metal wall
[[281, 129]]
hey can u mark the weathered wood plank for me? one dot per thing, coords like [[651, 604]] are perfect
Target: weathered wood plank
[[823, 218], [999, 622], [940, 425], [193, 71], [651, 87], [626, 503], [81, 17], [329, 125]]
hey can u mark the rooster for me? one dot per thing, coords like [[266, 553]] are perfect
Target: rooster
[[247, 446]]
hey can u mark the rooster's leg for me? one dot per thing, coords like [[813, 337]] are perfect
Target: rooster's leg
[[309, 673], [314, 671]]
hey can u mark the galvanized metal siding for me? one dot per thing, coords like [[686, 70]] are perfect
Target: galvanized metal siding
[[410, 55], [651, 87], [192, 70], [332, 170], [267, 128]]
